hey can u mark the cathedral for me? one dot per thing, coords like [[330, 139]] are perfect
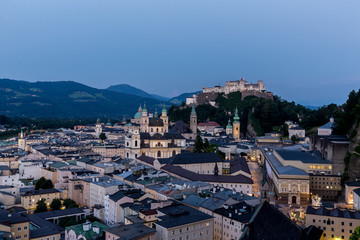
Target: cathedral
[[152, 138]]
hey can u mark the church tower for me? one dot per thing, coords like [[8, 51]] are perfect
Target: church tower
[[193, 122], [22, 141], [144, 120], [229, 128], [165, 119], [236, 126], [98, 127]]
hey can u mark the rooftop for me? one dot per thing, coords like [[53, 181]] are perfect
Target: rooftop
[[179, 214], [131, 231], [41, 191], [336, 212]]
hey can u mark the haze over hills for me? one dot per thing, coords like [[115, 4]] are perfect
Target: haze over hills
[[71, 99], [128, 89], [66, 99]]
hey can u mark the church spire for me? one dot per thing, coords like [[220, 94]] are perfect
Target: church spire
[[163, 112], [236, 117], [193, 111]]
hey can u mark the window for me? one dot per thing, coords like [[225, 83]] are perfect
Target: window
[[342, 223], [19, 229], [332, 229], [313, 220], [342, 230], [350, 224]]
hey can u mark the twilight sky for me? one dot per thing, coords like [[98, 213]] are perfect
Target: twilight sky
[[304, 50]]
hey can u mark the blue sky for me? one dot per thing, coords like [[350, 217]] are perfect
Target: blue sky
[[305, 51]]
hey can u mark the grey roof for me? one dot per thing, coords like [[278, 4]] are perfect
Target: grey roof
[[336, 212], [240, 212], [239, 163], [131, 231], [194, 200], [353, 184], [42, 223], [58, 213], [192, 158], [41, 191], [117, 196], [213, 203], [357, 191], [11, 218], [270, 224], [305, 157], [284, 170], [44, 231], [328, 125], [179, 171], [179, 214]]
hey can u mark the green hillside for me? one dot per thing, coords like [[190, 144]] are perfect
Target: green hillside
[[66, 99], [264, 115]]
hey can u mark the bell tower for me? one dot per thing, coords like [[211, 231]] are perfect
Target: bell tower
[[98, 127], [193, 122], [22, 141], [236, 126], [165, 119]]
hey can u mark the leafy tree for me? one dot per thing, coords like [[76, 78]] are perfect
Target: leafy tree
[[356, 234], [47, 184], [55, 204], [294, 138], [39, 183], [43, 183], [102, 136], [199, 145], [41, 206], [69, 203]]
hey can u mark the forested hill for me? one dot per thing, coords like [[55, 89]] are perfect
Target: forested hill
[[264, 115], [348, 123], [66, 99]]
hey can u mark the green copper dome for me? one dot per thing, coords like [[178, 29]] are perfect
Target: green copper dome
[[236, 117], [138, 115], [229, 126]]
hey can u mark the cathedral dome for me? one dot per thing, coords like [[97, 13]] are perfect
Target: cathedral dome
[[138, 115]]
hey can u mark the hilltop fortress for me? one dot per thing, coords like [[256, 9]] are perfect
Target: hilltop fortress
[[236, 86], [208, 95]]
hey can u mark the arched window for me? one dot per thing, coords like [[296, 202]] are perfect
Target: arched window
[[135, 155], [158, 154], [174, 153], [151, 129], [136, 143], [127, 155], [127, 144], [159, 144], [157, 130]]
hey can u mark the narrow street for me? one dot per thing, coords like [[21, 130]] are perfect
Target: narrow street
[[256, 173]]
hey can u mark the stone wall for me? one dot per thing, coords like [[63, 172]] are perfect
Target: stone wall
[[267, 95]]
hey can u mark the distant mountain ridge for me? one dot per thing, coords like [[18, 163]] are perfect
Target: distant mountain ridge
[[128, 89], [66, 99], [181, 98]]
